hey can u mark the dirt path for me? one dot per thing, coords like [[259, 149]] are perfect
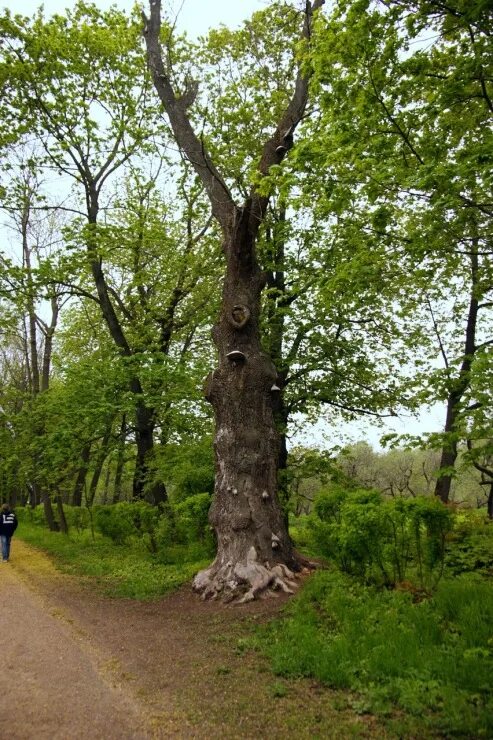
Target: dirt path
[[80, 665]]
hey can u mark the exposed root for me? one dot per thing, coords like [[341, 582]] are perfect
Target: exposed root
[[244, 581], [306, 563]]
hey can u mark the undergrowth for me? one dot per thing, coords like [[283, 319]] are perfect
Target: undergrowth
[[408, 654], [128, 570]]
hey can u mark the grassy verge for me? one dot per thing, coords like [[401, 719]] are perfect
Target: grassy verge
[[120, 570], [432, 660]]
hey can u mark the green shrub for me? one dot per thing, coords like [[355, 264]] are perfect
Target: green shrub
[[27, 514], [114, 522], [121, 521], [78, 517], [380, 540], [191, 516], [471, 544]]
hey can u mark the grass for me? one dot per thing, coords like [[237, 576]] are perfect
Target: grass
[[432, 660], [120, 570]]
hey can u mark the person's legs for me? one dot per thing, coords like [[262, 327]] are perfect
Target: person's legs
[[5, 546]]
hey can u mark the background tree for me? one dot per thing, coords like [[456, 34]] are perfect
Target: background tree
[[81, 87], [406, 141]]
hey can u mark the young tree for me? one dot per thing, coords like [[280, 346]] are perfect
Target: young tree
[[254, 549]]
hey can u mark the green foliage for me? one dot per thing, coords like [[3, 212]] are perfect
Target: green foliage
[[432, 658], [114, 522], [172, 533], [471, 545], [382, 541], [78, 517], [130, 571], [192, 523], [189, 468]]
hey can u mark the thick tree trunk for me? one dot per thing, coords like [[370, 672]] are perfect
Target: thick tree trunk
[[254, 549]]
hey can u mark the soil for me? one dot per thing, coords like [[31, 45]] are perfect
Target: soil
[[77, 664]]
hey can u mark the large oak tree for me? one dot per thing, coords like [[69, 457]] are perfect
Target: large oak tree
[[254, 549]]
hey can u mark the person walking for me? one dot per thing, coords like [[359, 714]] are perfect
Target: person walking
[[8, 525]]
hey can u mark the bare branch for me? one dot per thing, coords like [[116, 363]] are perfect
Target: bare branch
[[437, 333], [223, 206]]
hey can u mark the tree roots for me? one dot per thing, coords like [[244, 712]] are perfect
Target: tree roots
[[244, 581]]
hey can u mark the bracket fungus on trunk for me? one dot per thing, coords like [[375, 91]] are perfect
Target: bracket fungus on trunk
[[236, 356]]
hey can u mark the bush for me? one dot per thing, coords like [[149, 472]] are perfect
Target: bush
[[380, 540], [192, 518], [114, 522], [471, 544], [27, 514], [78, 517]]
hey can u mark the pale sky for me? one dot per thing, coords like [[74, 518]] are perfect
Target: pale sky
[[194, 16]]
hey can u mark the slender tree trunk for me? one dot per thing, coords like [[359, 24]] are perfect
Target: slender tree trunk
[[100, 458], [449, 452], [81, 475], [61, 514], [143, 486], [48, 344], [53, 525], [34, 495], [106, 484], [36, 387], [120, 462], [459, 386]]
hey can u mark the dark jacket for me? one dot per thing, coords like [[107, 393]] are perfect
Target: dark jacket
[[8, 523]]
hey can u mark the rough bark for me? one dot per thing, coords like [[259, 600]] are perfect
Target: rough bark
[[254, 552], [254, 549]]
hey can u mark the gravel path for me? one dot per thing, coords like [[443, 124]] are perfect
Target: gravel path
[[51, 685]]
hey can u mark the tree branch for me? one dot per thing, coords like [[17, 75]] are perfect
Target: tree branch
[[276, 148], [223, 206]]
